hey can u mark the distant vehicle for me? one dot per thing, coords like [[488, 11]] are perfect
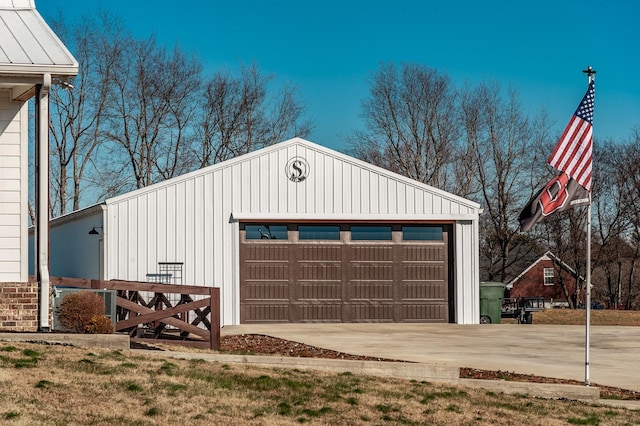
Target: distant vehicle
[[594, 305]]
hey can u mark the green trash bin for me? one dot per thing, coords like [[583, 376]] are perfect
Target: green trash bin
[[491, 295]]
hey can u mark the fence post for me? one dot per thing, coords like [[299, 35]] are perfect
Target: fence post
[[214, 309]]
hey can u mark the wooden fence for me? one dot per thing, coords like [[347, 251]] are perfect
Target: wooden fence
[[160, 319]]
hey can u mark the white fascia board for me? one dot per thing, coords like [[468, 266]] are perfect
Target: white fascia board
[[239, 217], [30, 70]]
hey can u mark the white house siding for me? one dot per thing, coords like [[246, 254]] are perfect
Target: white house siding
[[13, 189], [194, 218]]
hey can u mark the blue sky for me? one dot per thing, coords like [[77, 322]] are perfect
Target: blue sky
[[329, 48]]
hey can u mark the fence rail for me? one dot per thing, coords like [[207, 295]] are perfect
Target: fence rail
[[149, 321]]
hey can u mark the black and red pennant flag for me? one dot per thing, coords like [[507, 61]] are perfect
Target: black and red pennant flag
[[560, 194]]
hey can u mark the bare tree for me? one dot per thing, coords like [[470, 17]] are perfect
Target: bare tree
[[77, 110], [610, 220], [149, 114], [628, 172], [412, 126], [240, 114], [502, 143]]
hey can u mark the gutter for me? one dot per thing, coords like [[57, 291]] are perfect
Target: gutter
[[42, 199]]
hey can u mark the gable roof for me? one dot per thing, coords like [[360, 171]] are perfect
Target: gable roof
[[546, 256], [290, 146], [29, 48]]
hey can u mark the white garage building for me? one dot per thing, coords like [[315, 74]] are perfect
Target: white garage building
[[294, 232]]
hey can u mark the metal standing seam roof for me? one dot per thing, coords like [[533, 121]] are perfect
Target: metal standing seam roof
[[28, 46]]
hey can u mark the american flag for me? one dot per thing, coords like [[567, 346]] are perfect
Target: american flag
[[573, 151]]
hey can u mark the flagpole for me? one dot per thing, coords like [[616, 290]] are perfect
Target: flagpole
[[587, 380]]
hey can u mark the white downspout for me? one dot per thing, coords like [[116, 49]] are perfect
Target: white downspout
[[42, 198]]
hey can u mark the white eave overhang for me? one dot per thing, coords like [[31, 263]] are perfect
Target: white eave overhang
[[29, 71]]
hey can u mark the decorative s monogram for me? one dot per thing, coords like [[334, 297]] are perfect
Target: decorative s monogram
[[297, 169]]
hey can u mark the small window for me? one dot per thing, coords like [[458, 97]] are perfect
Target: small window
[[422, 233], [319, 232], [549, 276], [266, 232], [372, 233]]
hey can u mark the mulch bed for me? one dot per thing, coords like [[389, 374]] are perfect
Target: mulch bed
[[256, 344]]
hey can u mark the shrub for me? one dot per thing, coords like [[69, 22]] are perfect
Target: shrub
[[100, 325], [78, 309]]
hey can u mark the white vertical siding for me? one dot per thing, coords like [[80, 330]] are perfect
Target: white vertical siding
[[356, 189], [13, 190], [189, 225], [317, 197], [467, 291], [225, 276], [187, 219]]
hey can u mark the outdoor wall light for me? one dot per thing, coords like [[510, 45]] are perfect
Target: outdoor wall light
[[64, 83], [94, 230]]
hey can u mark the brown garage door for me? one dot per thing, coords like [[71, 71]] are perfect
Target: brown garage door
[[344, 273]]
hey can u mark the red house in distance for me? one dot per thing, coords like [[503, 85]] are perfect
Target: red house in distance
[[547, 277]]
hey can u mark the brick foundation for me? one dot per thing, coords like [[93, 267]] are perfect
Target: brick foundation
[[19, 307]]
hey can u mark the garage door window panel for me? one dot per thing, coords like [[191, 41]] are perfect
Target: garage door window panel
[[422, 233], [371, 233], [266, 232], [319, 232]]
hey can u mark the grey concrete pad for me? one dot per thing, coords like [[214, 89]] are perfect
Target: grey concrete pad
[[629, 405], [544, 350], [105, 341], [540, 390]]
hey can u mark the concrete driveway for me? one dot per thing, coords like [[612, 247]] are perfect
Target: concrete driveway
[[544, 350]]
